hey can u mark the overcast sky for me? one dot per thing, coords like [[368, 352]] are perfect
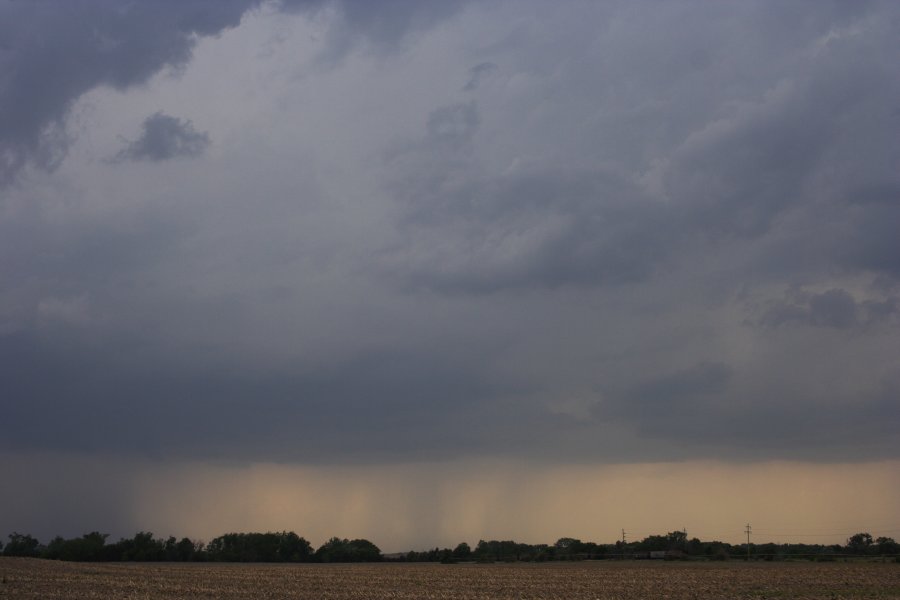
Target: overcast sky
[[352, 236]]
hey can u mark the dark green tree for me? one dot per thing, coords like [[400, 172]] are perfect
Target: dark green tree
[[886, 545], [568, 548], [653, 543], [285, 546], [21, 544], [293, 548], [462, 551], [694, 546], [142, 547], [185, 550], [859, 543], [89, 547], [170, 549], [677, 540], [344, 550]]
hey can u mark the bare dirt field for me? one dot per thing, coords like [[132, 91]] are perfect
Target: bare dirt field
[[32, 578]]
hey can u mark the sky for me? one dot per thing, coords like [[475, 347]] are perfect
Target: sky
[[427, 272]]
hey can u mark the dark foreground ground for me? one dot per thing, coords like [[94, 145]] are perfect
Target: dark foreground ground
[[34, 578]]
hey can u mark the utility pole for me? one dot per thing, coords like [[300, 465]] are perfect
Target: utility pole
[[747, 531], [623, 544]]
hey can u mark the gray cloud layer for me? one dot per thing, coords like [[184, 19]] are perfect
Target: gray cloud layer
[[52, 52], [612, 232]]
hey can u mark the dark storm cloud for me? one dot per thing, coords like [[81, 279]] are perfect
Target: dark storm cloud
[[537, 226], [580, 255], [403, 405], [53, 52], [165, 137], [665, 403], [703, 380], [59, 501], [701, 407], [756, 155]]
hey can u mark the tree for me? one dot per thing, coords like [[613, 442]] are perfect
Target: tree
[[485, 551], [887, 545], [89, 547], [21, 545], [285, 546], [344, 550], [677, 540], [142, 547], [653, 543], [462, 551], [694, 546], [170, 549], [567, 547], [185, 550], [54, 549], [859, 543], [293, 548]]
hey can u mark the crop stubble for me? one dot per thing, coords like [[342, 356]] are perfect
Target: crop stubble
[[31, 578]]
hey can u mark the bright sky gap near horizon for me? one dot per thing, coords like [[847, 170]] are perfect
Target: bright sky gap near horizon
[[424, 272]]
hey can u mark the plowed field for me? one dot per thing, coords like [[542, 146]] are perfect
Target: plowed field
[[31, 578]]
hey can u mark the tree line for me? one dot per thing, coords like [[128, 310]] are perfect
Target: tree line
[[673, 545], [287, 546], [284, 546]]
